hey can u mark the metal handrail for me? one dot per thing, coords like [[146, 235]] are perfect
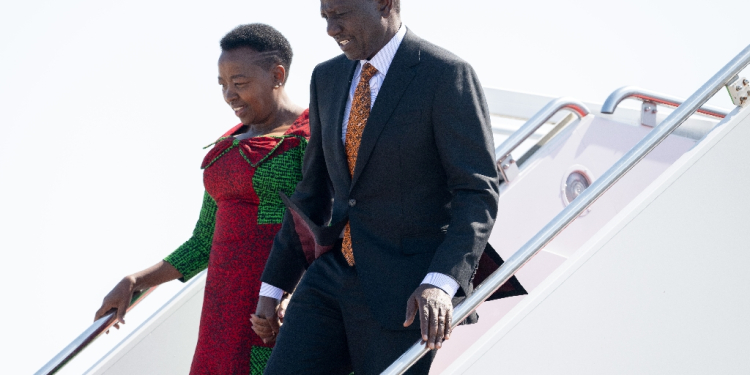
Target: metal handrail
[[644, 95], [536, 121], [506, 165], [581, 203], [88, 336]]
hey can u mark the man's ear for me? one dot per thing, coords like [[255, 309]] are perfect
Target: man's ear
[[385, 7]]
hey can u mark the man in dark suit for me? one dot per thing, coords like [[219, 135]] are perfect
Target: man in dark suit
[[400, 166]]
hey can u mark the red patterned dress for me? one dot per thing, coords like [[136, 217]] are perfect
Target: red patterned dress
[[241, 214]]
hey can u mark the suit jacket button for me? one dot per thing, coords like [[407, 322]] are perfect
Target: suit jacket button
[[352, 202]]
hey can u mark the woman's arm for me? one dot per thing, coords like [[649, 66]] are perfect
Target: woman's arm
[[120, 296], [192, 257]]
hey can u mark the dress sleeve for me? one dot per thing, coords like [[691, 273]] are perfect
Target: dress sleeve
[[192, 257]]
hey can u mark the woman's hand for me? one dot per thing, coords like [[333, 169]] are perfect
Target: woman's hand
[[267, 328], [119, 299], [281, 310], [120, 296]]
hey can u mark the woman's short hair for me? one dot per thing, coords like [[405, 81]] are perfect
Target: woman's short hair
[[261, 38]]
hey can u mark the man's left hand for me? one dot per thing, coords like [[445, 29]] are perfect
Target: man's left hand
[[435, 314], [268, 317]]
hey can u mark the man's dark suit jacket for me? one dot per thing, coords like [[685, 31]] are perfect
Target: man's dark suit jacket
[[423, 197]]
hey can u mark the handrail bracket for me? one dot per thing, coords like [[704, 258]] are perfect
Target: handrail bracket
[[648, 113], [508, 168], [739, 90]]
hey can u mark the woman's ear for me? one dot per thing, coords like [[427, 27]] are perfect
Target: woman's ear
[[279, 75]]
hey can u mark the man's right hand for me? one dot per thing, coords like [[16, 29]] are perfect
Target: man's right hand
[[435, 314]]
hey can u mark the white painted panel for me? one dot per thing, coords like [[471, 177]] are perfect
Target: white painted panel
[[534, 198], [662, 290]]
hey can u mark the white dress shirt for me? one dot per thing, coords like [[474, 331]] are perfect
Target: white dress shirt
[[381, 61]]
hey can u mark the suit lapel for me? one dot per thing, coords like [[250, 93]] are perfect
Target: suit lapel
[[399, 75]]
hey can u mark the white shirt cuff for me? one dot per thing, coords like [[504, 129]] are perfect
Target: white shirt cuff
[[444, 282], [268, 290]]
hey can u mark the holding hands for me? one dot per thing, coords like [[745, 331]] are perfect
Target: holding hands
[[269, 316]]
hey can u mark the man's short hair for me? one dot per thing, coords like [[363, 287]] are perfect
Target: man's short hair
[[261, 38]]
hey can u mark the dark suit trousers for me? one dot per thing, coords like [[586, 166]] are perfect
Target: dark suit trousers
[[329, 328]]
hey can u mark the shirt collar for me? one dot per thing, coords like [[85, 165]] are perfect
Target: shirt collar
[[383, 59]]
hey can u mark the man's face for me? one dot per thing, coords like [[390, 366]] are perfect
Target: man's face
[[357, 26]]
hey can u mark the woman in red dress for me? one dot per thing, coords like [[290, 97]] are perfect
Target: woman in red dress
[[242, 210]]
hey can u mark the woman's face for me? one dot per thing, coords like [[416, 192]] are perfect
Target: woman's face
[[247, 87]]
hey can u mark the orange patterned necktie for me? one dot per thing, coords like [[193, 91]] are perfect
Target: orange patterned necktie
[[358, 115]]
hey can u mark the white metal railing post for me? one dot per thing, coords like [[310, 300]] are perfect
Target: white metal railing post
[[644, 95], [505, 163], [87, 337]]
